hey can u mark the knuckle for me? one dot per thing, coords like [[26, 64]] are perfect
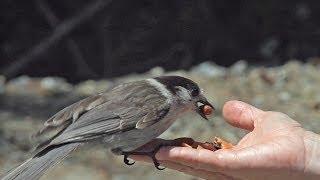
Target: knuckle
[[179, 152]]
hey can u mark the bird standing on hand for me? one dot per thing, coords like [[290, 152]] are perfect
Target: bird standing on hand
[[124, 119]]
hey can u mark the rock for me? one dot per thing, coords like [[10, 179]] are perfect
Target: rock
[[292, 67], [22, 85], [54, 85], [90, 87], [315, 61], [75, 172], [26, 86], [258, 101], [2, 84], [156, 71], [239, 67], [209, 69], [284, 96]]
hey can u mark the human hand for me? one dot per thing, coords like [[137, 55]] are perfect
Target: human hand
[[276, 147]]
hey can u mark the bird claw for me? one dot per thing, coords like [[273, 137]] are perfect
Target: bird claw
[[127, 161], [150, 149], [155, 160], [151, 154]]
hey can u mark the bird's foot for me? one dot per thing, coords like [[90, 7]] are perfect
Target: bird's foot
[[151, 154], [126, 160], [150, 149]]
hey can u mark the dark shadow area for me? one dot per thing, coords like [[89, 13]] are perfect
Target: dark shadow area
[[94, 39]]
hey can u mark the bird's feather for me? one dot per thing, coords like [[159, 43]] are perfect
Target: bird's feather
[[34, 168], [123, 108]]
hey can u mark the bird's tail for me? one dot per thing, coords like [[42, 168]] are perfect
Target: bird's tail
[[36, 166]]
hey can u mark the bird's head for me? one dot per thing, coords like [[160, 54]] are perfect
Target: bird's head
[[187, 93]]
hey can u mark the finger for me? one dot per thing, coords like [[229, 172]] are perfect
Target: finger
[[219, 160], [209, 175], [240, 114], [185, 156], [184, 168], [140, 158]]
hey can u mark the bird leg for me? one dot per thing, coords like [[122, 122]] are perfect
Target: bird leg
[[151, 154]]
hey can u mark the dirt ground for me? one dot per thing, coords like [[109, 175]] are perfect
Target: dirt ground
[[25, 103]]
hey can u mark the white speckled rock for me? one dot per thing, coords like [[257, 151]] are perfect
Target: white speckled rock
[[27, 86]]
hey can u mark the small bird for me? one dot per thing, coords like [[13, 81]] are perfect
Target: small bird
[[124, 118]]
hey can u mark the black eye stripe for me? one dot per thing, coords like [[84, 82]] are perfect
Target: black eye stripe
[[195, 92]]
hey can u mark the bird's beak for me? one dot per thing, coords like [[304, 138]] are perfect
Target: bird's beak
[[201, 107]]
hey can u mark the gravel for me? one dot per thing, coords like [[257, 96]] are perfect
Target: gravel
[[292, 88]]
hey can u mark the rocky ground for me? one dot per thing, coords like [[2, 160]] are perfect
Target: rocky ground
[[26, 102]]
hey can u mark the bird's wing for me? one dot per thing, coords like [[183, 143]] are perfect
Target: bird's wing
[[71, 113], [125, 107]]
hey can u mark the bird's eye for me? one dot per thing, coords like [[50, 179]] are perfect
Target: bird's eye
[[195, 92]]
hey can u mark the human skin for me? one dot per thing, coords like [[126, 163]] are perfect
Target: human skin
[[276, 147]]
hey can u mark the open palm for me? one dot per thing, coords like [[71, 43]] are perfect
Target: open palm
[[275, 148]]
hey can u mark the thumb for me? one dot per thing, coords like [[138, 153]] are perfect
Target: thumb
[[240, 114]]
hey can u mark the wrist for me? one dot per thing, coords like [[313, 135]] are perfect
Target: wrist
[[312, 153]]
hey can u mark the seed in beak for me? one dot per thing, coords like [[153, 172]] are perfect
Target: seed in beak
[[207, 110]]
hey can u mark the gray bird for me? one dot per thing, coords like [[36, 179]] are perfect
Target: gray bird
[[123, 118]]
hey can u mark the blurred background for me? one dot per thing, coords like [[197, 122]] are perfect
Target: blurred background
[[53, 53]]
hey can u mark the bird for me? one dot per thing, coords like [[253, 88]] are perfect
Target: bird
[[123, 118]]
